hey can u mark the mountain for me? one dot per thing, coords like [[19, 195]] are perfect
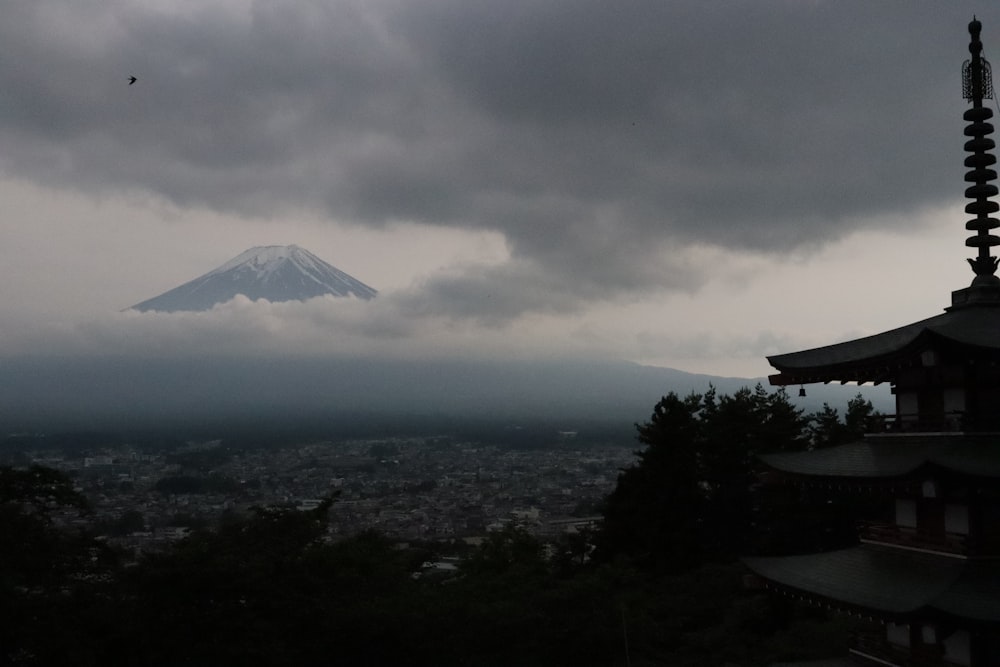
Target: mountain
[[275, 273], [119, 393]]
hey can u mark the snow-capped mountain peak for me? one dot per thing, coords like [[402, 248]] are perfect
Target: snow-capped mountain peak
[[275, 273], [264, 257]]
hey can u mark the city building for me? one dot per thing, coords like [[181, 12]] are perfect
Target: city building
[[926, 579]]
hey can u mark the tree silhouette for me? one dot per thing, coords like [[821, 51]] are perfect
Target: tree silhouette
[[827, 429], [47, 574], [689, 498]]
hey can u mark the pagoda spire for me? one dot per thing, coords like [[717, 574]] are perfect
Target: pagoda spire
[[977, 84]]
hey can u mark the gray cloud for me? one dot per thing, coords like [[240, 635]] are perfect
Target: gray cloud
[[708, 344], [390, 328], [600, 138]]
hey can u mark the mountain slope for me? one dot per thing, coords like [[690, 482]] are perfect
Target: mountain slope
[[275, 273], [50, 393]]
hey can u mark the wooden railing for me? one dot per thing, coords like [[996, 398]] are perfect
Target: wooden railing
[[874, 649], [915, 423], [952, 543], [981, 546], [948, 422]]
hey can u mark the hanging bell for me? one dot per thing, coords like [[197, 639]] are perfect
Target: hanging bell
[[802, 390]]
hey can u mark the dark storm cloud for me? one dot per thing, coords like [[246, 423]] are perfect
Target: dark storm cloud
[[494, 295], [600, 138]]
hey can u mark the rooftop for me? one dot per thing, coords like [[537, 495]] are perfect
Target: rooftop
[[876, 358], [891, 581], [896, 456]]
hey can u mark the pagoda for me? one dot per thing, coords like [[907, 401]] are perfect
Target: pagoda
[[925, 576]]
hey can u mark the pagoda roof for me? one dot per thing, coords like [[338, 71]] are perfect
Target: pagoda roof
[[893, 581], [895, 456], [971, 325], [828, 662], [876, 358]]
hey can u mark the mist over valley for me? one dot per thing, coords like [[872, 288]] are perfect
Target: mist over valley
[[202, 393]]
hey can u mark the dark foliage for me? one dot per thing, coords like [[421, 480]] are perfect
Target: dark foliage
[[827, 429], [690, 497], [47, 575], [654, 515]]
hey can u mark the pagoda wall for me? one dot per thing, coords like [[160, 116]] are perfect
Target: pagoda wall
[[920, 644], [949, 515]]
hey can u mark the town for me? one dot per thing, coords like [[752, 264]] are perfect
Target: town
[[407, 488]]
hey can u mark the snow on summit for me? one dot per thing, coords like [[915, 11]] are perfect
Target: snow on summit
[[274, 273]]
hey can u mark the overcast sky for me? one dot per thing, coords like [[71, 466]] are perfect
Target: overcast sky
[[691, 184]]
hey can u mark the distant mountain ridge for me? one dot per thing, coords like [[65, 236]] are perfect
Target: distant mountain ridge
[[46, 393], [274, 273]]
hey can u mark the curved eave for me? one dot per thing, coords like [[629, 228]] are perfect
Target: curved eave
[[880, 357], [894, 458], [890, 581]]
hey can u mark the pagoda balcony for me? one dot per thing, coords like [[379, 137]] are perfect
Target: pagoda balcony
[[912, 538], [949, 422], [868, 648], [984, 546], [871, 648]]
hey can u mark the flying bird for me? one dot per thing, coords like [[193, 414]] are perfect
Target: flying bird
[[131, 80]]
